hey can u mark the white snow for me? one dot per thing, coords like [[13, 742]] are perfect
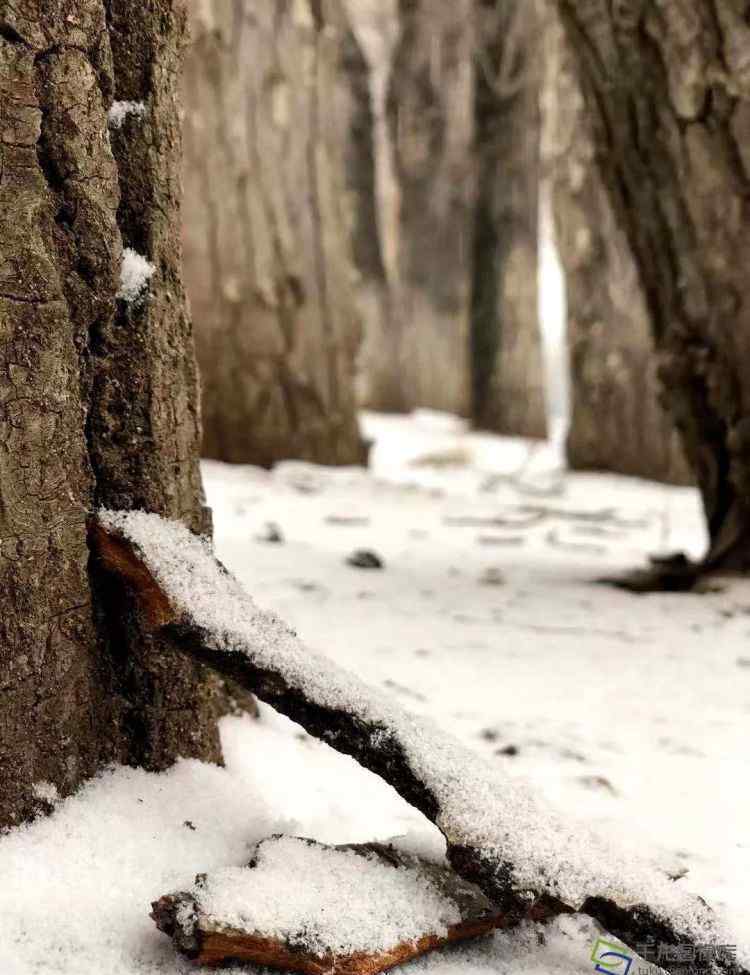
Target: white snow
[[481, 805], [46, 792], [327, 901], [121, 110], [135, 273], [627, 712]]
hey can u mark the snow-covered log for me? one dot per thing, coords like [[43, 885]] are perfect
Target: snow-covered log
[[306, 907], [523, 855]]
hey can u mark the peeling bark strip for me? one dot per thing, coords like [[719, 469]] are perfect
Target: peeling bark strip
[[617, 420], [523, 857], [268, 256], [668, 89], [212, 939], [96, 398]]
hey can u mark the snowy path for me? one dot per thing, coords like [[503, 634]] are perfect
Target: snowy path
[[625, 710]]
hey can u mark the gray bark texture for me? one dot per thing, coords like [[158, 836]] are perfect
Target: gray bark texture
[[617, 420], [379, 380], [268, 252], [454, 103], [431, 131], [97, 396], [507, 373], [668, 87]]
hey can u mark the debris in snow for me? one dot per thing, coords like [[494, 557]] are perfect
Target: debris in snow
[[510, 750], [450, 457], [598, 782], [500, 540], [135, 274], [271, 533], [364, 558], [492, 576], [307, 907], [347, 520], [553, 539], [522, 854], [121, 110]]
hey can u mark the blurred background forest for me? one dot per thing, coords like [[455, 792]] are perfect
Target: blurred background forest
[[372, 202], [468, 291]]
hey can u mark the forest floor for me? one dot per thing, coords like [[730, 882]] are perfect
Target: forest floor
[[625, 711]]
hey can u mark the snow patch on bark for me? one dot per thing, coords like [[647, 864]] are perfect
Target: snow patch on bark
[[135, 273], [121, 110]]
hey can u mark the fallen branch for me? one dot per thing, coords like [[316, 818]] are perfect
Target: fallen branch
[[533, 864], [306, 907]]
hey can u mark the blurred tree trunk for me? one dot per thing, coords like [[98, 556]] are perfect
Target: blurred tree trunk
[[617, 421], [430, 130], [668, 89], [97, 394], [378, 373], [507, 373], [268, 260]]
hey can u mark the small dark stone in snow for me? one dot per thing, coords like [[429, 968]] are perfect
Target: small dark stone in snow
[[489, 734], [306, 585], [511, 750], [364, 558], [189, 825], [271, 533], [492, 576], [678, 874]]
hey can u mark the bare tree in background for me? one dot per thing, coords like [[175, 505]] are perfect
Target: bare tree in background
[[507, 374], [268, 260], [456, 170], [359, 108], [668, 90], [431, 131], [97, 394], [617, 420]]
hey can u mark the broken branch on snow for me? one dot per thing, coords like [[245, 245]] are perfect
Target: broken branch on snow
[[307, 907], [524, 857]]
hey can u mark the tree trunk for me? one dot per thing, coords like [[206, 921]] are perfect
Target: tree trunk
[[268, 258], [507, 373], [669, 92], [97, 394], [358, 107], [430, 127], [617, 421]]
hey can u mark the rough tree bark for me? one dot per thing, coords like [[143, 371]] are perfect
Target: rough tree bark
[[507, 373], [268, 259], [617, 421], [668, 87], [97, 395], [430, 125]]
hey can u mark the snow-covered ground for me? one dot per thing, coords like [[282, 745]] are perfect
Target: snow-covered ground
[[627, 711]]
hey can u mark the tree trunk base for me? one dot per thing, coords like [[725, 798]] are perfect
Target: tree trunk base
[[673, 573]]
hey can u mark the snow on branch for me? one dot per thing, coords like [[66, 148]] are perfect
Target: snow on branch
[[307, 907], [533, 863]]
